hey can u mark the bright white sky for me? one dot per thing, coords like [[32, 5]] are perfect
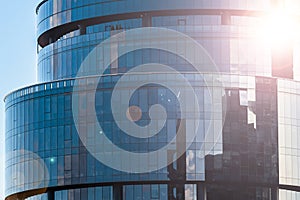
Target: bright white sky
[[17, 56]]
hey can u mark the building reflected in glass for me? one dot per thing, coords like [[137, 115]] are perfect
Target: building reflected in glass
[[247, 123]]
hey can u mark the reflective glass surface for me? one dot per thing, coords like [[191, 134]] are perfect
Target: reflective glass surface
[[288, 195], [233, 48], [246, 144], [40, 127], [57, 12], [289, 127]]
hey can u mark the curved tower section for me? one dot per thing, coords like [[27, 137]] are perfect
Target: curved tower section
[[211, 113]]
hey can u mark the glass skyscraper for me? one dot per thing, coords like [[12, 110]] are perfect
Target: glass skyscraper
[[211, 113]]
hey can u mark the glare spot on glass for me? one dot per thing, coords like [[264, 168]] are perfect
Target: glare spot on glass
[[134, 113]]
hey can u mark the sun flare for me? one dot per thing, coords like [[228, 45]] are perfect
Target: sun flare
[[280, 28]]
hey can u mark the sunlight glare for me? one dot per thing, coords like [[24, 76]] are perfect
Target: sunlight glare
[[279, 29]]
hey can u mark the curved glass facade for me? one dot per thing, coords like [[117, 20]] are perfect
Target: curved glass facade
[[246, 138], [288, 124], [51, 134], [234, 50], [54, 13]]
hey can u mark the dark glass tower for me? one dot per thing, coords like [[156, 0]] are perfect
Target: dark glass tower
[[246, 122]]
